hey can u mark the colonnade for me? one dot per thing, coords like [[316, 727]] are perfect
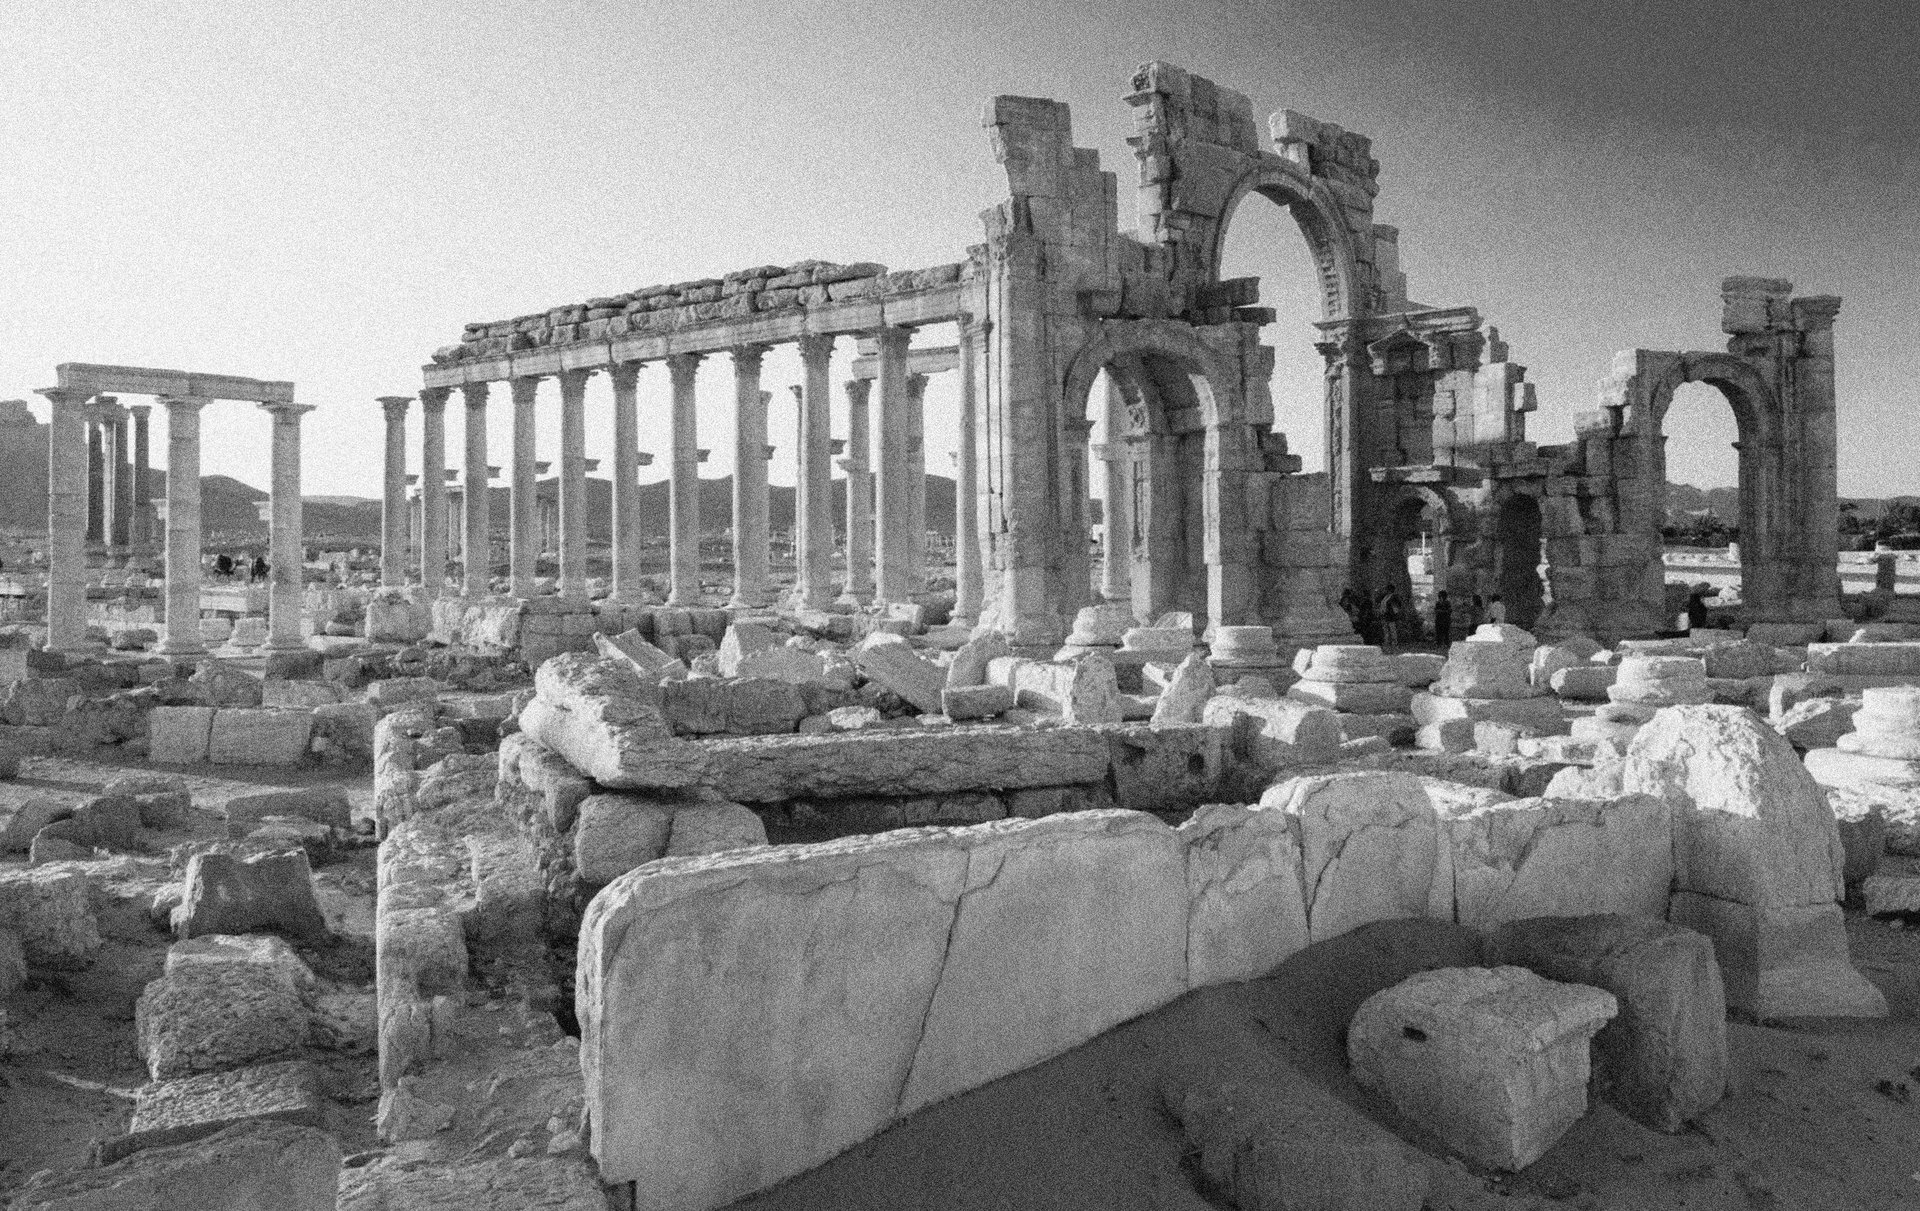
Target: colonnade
[[885, 508], [101, 499]]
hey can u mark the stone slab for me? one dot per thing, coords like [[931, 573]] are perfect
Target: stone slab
[[773, 769]]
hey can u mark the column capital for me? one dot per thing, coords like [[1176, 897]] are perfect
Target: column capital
[[475, 394], [893, 340], [750, 354], [525, 387], [285, 411], [683, 365], [62, 396], [175, 404], [395, 406], [916, 385], [625, 375], [576, 380], [434, 399], [858, 390], [816, 346]]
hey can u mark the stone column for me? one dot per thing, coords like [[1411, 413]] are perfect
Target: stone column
[[522, 511], [96, 488], [626, 481], [1116, 550], [119, 488], [142, 485], [893, 508], [573, 484], [473, 530], [966, 496], [916, 419], [413, 522], [393, 501], [183, 527], [683, 489], [67, 521], [813, 500], [750, 538], [433, 491], [286, 550], [859, 586]]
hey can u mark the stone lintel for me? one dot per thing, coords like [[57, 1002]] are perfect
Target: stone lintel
[[931, 360], [138, 380]]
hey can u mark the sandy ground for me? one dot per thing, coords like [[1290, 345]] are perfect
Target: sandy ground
[[1823, 1115], [73, 1070]]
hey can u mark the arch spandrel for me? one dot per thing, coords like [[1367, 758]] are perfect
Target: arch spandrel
[[1312, 206]]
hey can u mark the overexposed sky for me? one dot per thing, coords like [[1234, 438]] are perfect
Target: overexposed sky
[[326, 192]]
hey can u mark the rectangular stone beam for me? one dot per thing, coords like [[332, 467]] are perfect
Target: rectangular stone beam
[[931, 360], [94, 379]]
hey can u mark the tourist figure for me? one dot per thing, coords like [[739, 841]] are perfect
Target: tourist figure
[[1478, 616], [1697, 606], [223, 565], [1363, 621], [1496, 610], [259, 568], [1391, 612], [1350, 605], [1442, 619]]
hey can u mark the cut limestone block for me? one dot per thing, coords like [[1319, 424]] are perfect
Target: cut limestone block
[[1271, 734], [328, 807], [1561, 857], [1351, 663], [1084, 691], [1541, 713], [1758, 860], [1783, 962], [1245, 911], [1494, 1061], [1301, 1150], [747, 1015], [258, 950], [1885, 895], [1663, 1060], [24, 812], [1864, 831], [1369, 846], [231, 894], [774, 769], [258, 736], [961, 702], [194, 1107], [1836, 767], [894, 666], [1583, 682], [606, 722], [1817, 722], [51, 910], [1359, 697], [207, 1017], [1184, 700], [178, 735], [1887, 723], [247, 1167], [532, 1183]]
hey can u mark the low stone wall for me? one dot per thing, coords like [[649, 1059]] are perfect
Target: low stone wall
[[839, 986]]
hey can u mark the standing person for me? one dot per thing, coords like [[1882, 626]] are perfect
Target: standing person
[[1390, 614], [1442, 619], [1496, 610], [1363, 619], [1697, 606], [223, 565], [1349, 604], [259, 568]]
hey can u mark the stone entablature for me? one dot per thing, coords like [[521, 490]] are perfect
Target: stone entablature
[[86, 378], [768, 305]]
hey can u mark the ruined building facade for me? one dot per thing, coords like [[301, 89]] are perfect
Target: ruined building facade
[[1207, 510]]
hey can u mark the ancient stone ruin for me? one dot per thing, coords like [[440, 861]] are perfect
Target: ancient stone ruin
[[466, 886]]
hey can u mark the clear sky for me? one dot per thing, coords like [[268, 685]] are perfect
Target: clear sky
[[326, 192]]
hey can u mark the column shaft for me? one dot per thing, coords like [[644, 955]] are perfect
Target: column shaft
[[433, 491], [119, 490], [859, 585], [573, 484], [96, 486], [142, 486], [66, 521], [522, 512], [183, 527], [813, 504], [626, 481], [916, 420], [473, 542], [966, 496], [749, 480], [393, 499], [893, 508], [683, 490], [1116, 549], [286, 552]]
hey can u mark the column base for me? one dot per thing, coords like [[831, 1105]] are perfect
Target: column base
[[855, 597], [166, 648]]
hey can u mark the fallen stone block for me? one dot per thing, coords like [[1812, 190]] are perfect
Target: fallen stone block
[[1246, 911], [24, 812], [191, 1108], [543, 1183], [1546, 857], [1032, 803], [299, 695], [894, 666], [179, 735], [1271, 734], [1663, 1060], [207, 1017], [1165, 768], [233, 894], [247, 1167], [1817, 722], [975, 701], [1584, 682], [260, 950], [1780, 962], [1864, 659], [1370, 849], [1358, 697], [50, 908], [328, 807], [1298, 1150], [915, 964], [1494, 1061], [606, 722], [1084, 690], [258, 736], [1889, 895], [1864, 829], [773, 769]]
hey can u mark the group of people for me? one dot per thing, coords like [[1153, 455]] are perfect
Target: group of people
[[225, 566], [1383, 618]]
